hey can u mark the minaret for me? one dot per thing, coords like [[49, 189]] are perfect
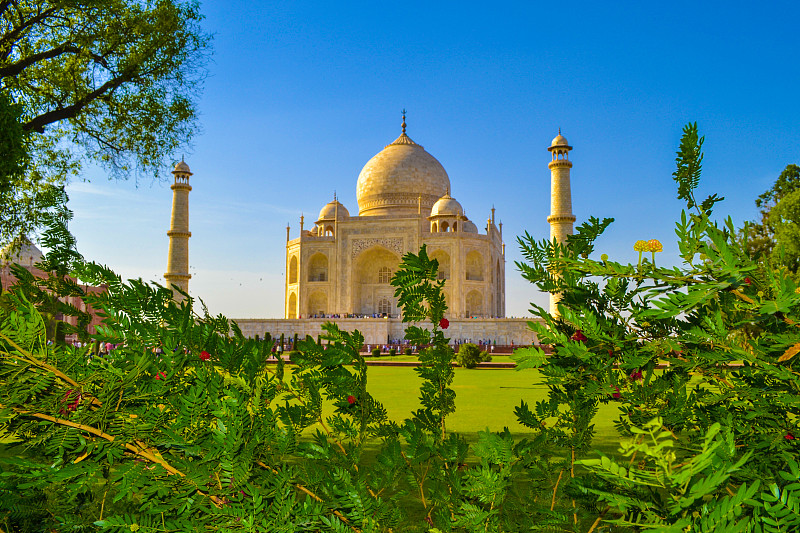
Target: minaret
[[561, 218], [178, 263]]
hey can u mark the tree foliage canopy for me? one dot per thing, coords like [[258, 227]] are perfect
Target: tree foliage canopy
[[109, 82], [776, 237], [16, 200]]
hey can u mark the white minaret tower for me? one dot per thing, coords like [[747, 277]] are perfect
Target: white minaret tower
[[561, 219], [177, 275]]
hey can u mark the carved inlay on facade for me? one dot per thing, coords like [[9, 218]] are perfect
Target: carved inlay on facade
[[393, 244]]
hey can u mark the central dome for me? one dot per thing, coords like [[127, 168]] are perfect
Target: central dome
[[398, 178]]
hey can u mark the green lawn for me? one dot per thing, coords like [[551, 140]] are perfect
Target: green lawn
[[484, 399]]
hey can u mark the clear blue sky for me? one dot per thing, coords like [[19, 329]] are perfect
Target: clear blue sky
[[301, 95]]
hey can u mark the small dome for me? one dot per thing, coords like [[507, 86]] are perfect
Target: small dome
[[469, 227], [559, 140], [447, 206], [182, 167], [333, 210]]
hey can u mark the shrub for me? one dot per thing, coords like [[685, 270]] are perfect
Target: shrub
[[228, 443], [376, 352], [392, 352], [407, 351], [469, 355], [707, 446]]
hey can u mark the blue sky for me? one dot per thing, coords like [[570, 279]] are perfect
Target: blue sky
[[301, 95]]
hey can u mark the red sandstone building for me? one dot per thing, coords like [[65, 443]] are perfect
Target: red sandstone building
[[28, 257]]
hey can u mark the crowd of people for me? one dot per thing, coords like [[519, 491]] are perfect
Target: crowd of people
[[351, 315], [102, 348]]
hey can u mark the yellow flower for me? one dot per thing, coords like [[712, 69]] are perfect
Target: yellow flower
[[654, 245], [641, 246]]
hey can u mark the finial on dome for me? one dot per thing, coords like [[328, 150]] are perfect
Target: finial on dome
[[334, 196], [404, 121], [559, 130]]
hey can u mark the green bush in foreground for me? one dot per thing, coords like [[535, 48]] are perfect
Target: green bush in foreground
[[186, 427], [469, 355], [707, 446]]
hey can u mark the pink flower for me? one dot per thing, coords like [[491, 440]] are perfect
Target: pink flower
[[747, 281], [788, 436], [579, 336], [444, 323], [351, 399], [71, 406], [205, 356], [616, 395], [161, 375], [74, 405], [636, 375]]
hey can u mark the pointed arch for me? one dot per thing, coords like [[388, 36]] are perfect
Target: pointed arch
[[474, 304], [318, 267], [317, 304], [498, 290], [474, 271], [293, 269], [444, 263], [372, 271]]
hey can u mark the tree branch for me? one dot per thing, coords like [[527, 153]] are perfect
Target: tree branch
[[309, 493], [30, 359], [141, 452], [4, 5], [14, 34], [38, 123], [15, 68]]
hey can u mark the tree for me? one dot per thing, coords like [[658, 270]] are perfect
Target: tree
[[110, 82], [777, 236], [12, 141], [13, 155]]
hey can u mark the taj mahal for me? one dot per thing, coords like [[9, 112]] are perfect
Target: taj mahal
[[339, 267], [342, 265]]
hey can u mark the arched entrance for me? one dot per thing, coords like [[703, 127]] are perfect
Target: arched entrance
[[293, 269], [372, 271], [444, 263], [317, 304], [474, 266], [474, 307], [318, 267]]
